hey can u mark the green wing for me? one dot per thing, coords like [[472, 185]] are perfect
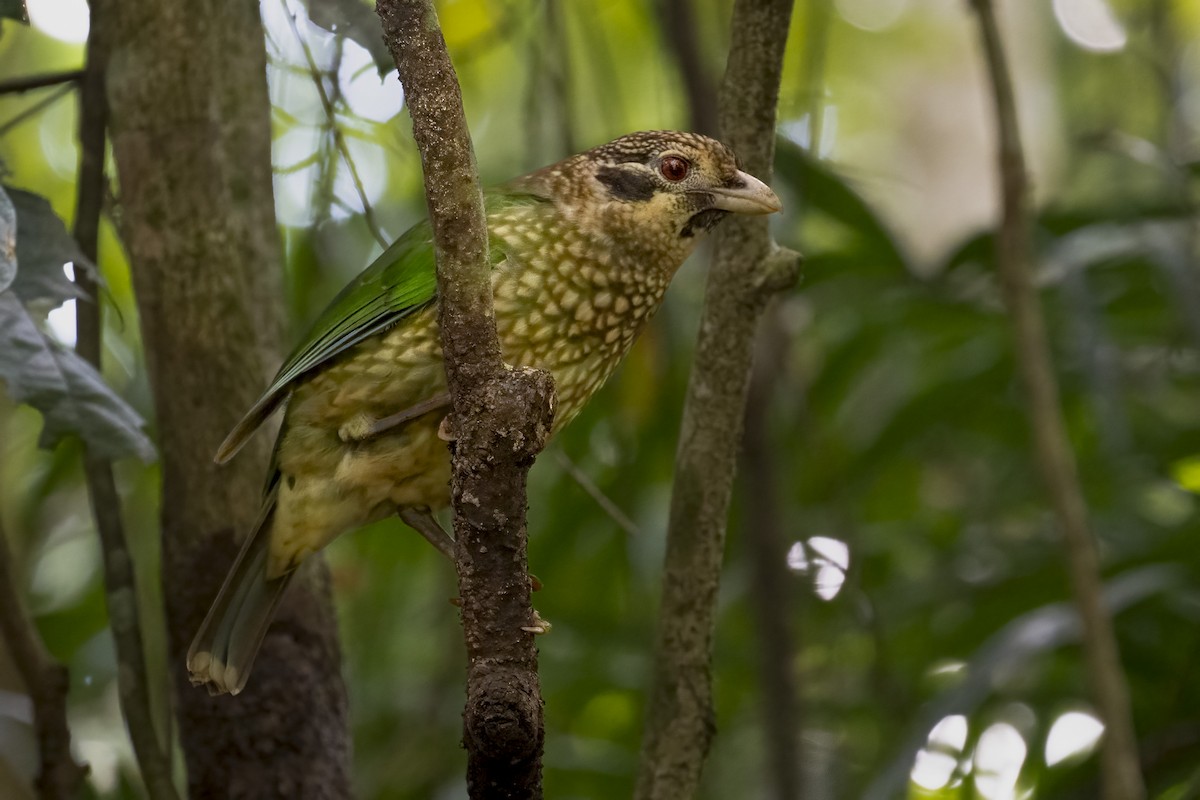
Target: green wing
[[402, 280]]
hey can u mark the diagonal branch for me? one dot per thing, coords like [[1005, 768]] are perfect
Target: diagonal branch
[[120, 587], [1122, 778], [59, 777], [501, 420], [747, 270], [27, 83]]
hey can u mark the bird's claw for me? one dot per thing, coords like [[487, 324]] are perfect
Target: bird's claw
[[359, 428]]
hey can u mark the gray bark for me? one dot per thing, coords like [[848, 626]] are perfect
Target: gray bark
[[747, 269], [190, 124]]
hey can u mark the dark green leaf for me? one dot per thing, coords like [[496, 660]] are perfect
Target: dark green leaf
[[43, 246], [71, 395], [8, 241], [356, 21], [826, 191]]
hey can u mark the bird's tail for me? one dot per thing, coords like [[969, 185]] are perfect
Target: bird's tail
[[223, 651]]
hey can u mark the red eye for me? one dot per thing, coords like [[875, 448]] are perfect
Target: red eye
[[674, 168]]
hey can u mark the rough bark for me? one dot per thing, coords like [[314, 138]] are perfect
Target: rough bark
[[120, 587], [500, 420], [747, 269], [190, 125], [1122, 779], [59, 777]]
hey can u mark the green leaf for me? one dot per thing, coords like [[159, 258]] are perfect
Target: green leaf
[[357, 22], [14, 9], [8, 241], [70, 393], [43, 246], [826, 191]]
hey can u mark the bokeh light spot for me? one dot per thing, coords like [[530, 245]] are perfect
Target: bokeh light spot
[[65, 20], [1073, 734], [1090, 24]]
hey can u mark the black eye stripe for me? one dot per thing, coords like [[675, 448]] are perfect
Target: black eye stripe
[[632, 185]]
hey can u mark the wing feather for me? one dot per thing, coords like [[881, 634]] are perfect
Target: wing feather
[[401, 281]]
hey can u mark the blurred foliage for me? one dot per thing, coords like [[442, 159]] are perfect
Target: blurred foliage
[[939, 658]]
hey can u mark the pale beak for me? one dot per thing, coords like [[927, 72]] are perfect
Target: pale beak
[[745, 194]]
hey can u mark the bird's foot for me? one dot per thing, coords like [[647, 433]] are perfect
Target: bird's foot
[[357, 429], [421, 520], [362, 426]]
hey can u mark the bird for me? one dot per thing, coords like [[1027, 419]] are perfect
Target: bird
[[581, 253]]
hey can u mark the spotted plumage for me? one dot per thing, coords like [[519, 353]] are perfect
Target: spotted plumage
[[581, 252]]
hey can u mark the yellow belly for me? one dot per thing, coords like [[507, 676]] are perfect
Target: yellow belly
[[329, 486]]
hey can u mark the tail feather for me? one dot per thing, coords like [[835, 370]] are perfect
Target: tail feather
[[224, 649]]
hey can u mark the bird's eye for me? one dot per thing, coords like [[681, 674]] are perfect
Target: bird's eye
[[674, 168]]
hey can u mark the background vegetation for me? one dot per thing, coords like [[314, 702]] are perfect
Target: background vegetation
[[932, 651]]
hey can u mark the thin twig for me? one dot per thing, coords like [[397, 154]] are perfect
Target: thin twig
[[596, 493], [747, 270], [677, 22], [1122, 778], [120, 586], [35, 109], [771, 597], [331, 114], [501, 419], [27, 83], [59, 777]]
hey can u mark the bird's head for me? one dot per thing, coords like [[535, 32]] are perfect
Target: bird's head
[[654, 192]]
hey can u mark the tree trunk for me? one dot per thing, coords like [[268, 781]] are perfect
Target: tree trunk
[[191, 138]]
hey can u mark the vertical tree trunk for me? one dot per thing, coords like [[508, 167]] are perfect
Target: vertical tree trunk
[[501, 419], [747, 270], [191, 136]]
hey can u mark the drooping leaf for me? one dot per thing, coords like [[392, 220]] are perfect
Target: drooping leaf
[[70, 393], [8, 241], [826, 191], [358, 22], [43, 246]]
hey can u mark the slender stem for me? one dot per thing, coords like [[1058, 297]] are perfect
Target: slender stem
[[35, 109], [747, 270], [771, 597], [677, 21], [59, 777], [500, 421], [1122, 778], [338, 139], [27, 83], [596, 493], [120, 586]]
